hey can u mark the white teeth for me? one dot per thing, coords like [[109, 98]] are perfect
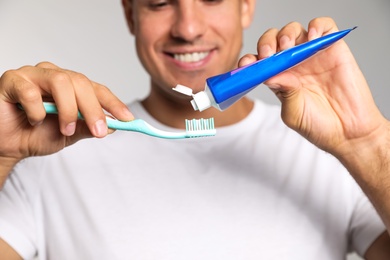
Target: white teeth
[[191, 57]]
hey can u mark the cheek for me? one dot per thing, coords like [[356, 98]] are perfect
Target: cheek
[[232, 32], [151, 31], [148, 44], [229, 18], [146, 36]]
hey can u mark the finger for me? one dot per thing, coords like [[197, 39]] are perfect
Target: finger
[[61, 88], [88, 104], [58, 85], [111, 103], [321, 26], [47, 65], [81, 132], [290, 35], [16, 89], [247, 59], [267, 43]]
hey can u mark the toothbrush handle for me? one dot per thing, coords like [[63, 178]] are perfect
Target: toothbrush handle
[[51, 108], [112, 123]]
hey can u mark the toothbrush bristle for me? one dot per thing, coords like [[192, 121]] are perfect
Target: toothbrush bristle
[[200, 127]]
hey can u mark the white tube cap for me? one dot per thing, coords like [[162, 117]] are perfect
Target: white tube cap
[[200, 101]]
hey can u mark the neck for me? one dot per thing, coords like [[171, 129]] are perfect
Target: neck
[[173, 113]]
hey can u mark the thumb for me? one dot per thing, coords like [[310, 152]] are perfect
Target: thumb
[[283, 84]]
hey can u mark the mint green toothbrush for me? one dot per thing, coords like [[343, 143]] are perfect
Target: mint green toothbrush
[[194, 128]]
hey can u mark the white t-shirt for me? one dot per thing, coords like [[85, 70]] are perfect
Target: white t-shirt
[[257, 190]]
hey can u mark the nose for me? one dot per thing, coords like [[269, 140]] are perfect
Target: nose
[[189, 22]]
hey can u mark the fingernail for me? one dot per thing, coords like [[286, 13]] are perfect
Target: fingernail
[[128, 114], [265, 51], [284, 42], [70, 129], [312, 34], [245, 61], [100, 128]]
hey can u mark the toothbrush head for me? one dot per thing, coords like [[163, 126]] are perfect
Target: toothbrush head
[[200, 127]]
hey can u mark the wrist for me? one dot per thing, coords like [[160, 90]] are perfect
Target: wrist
[[368, 159], [369, 164]]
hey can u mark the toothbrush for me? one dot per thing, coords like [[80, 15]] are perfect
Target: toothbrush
[[194, 128], [223, 90]]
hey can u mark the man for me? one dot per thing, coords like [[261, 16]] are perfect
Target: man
[[255, 191]]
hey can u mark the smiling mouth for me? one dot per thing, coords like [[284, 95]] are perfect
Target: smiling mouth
[[191, 57]]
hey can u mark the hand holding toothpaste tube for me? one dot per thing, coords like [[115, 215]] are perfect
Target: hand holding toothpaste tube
[[327, 100]]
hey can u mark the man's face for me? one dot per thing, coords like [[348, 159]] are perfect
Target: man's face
[[186, 41]]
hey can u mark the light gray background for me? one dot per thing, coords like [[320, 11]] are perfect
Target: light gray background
[[91, 37]]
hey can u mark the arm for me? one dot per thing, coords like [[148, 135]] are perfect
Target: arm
[[28, 133], [7, 252], [380, 249], [368, 161], [327, 100]]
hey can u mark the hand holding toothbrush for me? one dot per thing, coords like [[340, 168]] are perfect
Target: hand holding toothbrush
[[24, 133], [327, 100]]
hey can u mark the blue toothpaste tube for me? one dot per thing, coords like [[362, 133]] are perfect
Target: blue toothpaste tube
[[223, 90]]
